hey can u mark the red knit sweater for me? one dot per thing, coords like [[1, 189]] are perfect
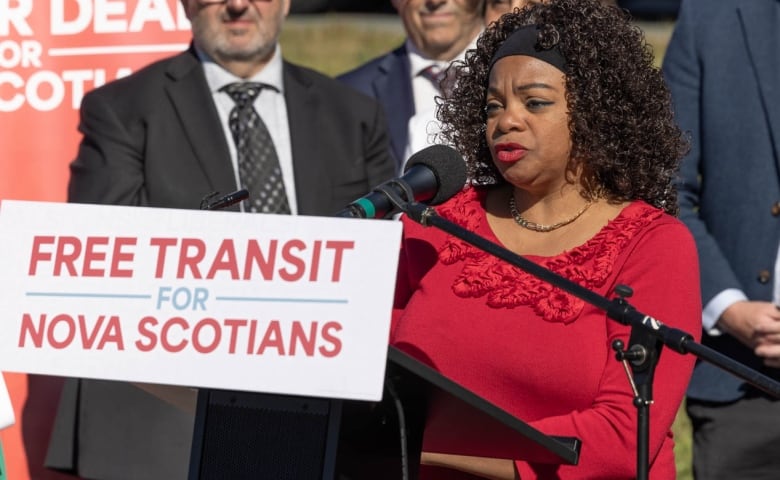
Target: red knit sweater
[[542, 354]]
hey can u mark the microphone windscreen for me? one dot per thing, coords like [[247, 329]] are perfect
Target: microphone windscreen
[[447, 166]]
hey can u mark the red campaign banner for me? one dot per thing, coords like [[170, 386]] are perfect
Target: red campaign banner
[[51, 54]]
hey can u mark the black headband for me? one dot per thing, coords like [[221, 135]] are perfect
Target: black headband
[[525, 41]]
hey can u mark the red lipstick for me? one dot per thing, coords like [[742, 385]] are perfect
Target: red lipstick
[[509, 152]]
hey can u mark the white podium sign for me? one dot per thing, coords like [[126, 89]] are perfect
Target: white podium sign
[[271, 303]]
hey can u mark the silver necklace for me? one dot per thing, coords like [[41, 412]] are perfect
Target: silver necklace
[[536, 227]]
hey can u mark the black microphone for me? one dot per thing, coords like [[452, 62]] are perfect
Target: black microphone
[[224, 201], [432, 175]]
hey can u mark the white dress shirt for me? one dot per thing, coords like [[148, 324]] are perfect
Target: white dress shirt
[[271, 107], [423, 128]]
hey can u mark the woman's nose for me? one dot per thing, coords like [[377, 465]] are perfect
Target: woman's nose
[[512, 117]]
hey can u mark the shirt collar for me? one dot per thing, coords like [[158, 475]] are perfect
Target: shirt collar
[[217, 77], [419, 62]]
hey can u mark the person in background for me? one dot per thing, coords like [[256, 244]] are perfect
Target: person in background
[[572, 149], [173, 133], [407, 80], [495, 8], [721, 67]]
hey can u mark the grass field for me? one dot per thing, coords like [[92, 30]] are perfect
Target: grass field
[[335, 43], [682, 446]]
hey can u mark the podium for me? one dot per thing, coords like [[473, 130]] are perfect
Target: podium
[[226, 303], [241, 435], [246, 435]]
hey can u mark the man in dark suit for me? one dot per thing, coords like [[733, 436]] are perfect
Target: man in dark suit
[[161, 138], [437, 33], [722, 68]]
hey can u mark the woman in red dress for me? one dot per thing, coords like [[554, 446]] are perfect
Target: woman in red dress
[[568, 135]]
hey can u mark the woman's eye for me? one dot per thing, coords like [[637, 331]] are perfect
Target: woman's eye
[[535, 104], [492, 108]]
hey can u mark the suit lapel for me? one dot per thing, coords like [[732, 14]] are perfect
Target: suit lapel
[[759, 26], [394, 91], [303, 110], [198, 116]]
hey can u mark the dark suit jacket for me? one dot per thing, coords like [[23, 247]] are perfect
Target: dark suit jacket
[[387, 79], [155, 139], [723, 68]]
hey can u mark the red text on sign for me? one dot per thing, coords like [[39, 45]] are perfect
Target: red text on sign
[[88, 257]]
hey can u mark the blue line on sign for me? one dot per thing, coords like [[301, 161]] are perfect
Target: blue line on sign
[[283, 300], [87, 295]]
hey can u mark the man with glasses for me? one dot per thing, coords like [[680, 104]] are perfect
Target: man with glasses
[[174, 132]]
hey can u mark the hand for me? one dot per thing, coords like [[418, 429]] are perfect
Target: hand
[[769, 342], [757, 325], [491, 468]]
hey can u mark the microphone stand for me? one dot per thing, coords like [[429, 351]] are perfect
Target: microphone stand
[[647, 338], [642, 353]]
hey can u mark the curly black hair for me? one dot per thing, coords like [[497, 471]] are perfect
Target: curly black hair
[[620, 116]]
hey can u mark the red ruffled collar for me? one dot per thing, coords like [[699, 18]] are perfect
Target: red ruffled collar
[[505, 286]]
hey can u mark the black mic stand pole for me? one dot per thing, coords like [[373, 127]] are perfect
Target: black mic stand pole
[[642, 353], [648, 335]]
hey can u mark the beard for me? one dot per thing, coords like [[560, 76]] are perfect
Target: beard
[[236, 44]]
